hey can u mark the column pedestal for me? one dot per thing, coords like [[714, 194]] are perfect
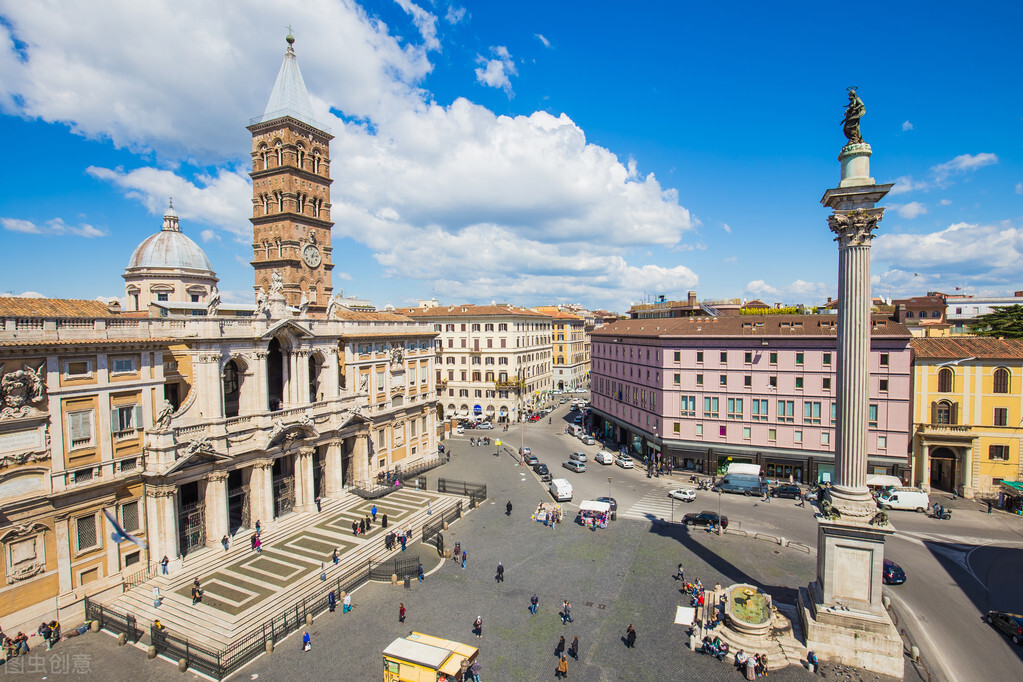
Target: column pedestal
[[332, 476], [161, 522]]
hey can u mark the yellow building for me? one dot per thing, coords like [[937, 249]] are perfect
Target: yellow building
[[967, 414], [569, 349]]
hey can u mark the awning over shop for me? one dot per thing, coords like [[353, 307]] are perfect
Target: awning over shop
[[1014, 486], [594, 506]]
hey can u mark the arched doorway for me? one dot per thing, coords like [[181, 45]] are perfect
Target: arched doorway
[[275, 375], [232, 388], [943, 469], [315, 365]]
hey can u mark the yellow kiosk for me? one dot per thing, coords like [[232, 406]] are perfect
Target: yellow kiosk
[[424, 658]]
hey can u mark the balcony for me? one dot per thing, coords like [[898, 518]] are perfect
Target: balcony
[[947, 433], [513, 384]]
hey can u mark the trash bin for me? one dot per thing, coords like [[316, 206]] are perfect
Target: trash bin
[[614, 516], [408, 583]]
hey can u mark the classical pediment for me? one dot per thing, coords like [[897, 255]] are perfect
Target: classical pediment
[[198, 452], [288, 327]]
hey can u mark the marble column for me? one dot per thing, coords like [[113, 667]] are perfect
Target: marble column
[[161, 521], [301, 396], [217, 523], [333, 481], [260, 388], [261, 493], [360, 459], [305, 500]]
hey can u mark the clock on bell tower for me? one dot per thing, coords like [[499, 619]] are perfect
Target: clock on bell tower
[[291, 192]]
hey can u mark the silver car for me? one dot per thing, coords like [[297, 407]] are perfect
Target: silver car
[[578, 456], [572, 465]]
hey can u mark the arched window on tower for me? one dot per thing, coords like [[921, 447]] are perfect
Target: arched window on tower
[[280, 201], [300, 203], [279, 148], [264, 155], [945, 378], [316, 160], [301, 156], [266, 204]]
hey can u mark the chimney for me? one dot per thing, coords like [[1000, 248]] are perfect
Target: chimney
[[691, 299], [114, 307], [900, 313]]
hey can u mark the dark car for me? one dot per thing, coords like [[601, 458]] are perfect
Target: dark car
[[542, 471], [704, 518], [892, 573], [611, 501], [1011, 624], [531, 460], [787, 490]]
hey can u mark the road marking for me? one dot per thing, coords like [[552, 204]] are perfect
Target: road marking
[[652, 506]]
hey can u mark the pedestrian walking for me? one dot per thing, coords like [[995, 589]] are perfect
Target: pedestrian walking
[[225, 541], [346, 604], [477, 627], [368, 526], [163, 564], [362, 526], [258, 531], [307, 641], [331, 601], [508, 508], [630, 636], [573, 650], [566, 612], [319, 504], [404, 539], [680, 575], [500, 572], [802, 501], [335, 557], [373, 511], [383, 521], [420, 573], [464, 557], [767, 496], [401, 613], [355, 528], [534, 601], [258, 544], [562, 670], [196, 592], [560, 648], [989, 506]]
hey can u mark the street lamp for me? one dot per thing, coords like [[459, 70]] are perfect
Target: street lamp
[[720, 529], [609, 494]]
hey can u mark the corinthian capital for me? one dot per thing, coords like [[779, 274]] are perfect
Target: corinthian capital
[[855, 228]]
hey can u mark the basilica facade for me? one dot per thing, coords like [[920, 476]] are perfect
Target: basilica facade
[[184, 419]]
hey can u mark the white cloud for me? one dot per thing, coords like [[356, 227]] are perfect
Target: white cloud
[[906, 125], [224, 200], [797, 291], [454, 14], [29, 294], [1019, 188], [726, 227], [51, 228], [542, 39], [945, 202], [496, 72], [731, 259], [963, 163], [911, 210], [905, 183], [343, 276], [424, 21], [209, 235]]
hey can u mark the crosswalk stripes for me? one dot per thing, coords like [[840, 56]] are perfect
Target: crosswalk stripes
[[655, 505]]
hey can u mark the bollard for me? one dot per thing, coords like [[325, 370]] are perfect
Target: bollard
[[182, 665], [394, 578], [308, 620], [151, 652], [781, 541], [94, 626], [886, 601], [692, 640], [445, 525], [269, 646], [122, 639], [914, 653]]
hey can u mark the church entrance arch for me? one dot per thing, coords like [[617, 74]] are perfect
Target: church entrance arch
[[232, 388], [275, 375], [284, 485], [943, 468]]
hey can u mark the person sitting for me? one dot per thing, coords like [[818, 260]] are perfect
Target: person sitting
[[722, 649], [740, 659], [707, 645]]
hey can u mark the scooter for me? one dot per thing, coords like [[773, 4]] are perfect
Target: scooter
[[942, 513]]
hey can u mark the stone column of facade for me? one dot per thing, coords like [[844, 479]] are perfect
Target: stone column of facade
[[217, 523], [333, 481], [261, 401], [261, 493], [161, 521], [329, 375], [302, 373], [360, 459], [290, 377], [305, 500]]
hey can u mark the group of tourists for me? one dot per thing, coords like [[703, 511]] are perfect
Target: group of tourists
[[753, 666], [392, 539], [479, 442]]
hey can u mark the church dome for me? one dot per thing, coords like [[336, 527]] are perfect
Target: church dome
[[169, 248]]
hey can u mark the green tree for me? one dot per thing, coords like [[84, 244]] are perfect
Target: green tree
[[1003, 321]]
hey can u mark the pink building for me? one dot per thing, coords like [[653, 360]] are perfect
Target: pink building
[[706, 391]]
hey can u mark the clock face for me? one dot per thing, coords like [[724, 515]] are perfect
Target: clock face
[[311, 255]]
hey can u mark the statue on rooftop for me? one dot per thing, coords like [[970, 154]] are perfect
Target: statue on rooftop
[[854, 111]]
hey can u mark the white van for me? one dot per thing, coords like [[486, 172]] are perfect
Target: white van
[[904, 498], [561, 490], [573, 430], [604, 457]]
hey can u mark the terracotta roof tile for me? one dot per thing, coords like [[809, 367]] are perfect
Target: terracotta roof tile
[[364, 316], [56, 343], [469, 310], [12, 306], [743, 325], [962, 347]]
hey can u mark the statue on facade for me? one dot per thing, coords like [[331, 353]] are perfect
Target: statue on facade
[[397, 355], [20, 389], [262, 302], [303, 304], [333, 304], [276, 283], [163, 419], [214, 303], [854, 111]]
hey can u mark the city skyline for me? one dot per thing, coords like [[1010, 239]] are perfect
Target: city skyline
[[566, 154]]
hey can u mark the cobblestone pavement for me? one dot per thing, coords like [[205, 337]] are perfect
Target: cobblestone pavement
[[613, 577]]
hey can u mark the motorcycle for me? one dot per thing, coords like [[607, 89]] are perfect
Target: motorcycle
[[942, 513]]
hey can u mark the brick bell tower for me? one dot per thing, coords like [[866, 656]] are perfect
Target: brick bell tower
[[291, 192]]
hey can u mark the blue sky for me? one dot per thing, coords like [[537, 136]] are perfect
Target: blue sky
[[531, 152]]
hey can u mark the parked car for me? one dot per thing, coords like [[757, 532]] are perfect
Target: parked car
[[624, 461], [459, 431], [1011, 624], [578, 419], [683, 494], [525, 451], [604, 457], [572, 465], [483, 425], [892, 573], [904, 498], [562, 401], [531, 459], [787, 490], [578, 456], [704, 518], [542, 471], [611, 501], [587, 439]]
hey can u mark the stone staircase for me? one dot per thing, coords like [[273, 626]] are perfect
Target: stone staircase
[[244, 589]]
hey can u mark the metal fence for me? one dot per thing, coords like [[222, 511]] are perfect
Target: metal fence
[[400, 566], [198, 657], [476, 492], [141, 576], [113, 620]]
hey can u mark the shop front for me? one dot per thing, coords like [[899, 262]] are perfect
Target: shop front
[[785, 470]]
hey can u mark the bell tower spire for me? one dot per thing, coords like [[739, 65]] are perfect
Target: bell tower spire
[[291, 192]]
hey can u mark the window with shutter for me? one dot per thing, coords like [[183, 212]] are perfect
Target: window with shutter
[[130, 517], [1001, 383], [945, 380], [85, 532], [80, 428]]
